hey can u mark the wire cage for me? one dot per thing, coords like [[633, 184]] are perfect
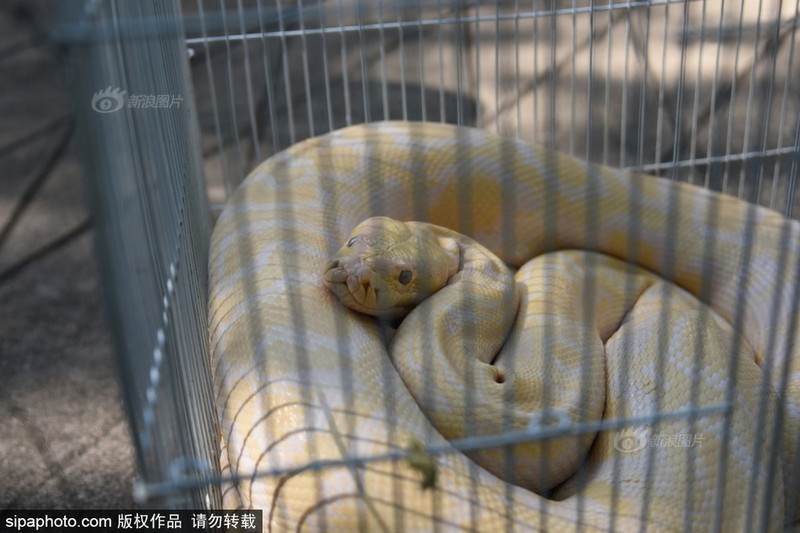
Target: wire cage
[[179, 101]]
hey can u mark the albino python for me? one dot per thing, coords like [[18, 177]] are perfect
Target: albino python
[[604, 323]]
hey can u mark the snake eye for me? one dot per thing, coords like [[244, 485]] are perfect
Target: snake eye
[[404, 277], [351, 241]]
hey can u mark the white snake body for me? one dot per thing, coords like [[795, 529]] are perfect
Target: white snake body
[[301, 378]]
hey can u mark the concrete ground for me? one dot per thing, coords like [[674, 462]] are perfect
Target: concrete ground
[[65, 440]]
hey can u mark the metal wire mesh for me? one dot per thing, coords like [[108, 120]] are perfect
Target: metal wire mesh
[[701, 91], [150, 211], [704, 92]]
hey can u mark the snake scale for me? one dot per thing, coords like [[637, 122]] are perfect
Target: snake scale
[[631, 295]]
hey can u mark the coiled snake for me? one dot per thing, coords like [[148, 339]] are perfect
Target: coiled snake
[[604, 322]]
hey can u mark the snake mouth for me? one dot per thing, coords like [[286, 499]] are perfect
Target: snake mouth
[[353, 289]]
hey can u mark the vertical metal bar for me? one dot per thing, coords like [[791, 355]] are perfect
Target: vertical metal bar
[[296, 303], [607, 89], [348, 112], [767, 369], [623, 119], [782, 114], [535, 93], [248, 82], [465, 201], [643, 92], [661, 88], [773, 41], [669, 252], [464, 36], [630, 272], [421, 61], [793, 176], [590, 86], [678, 126], [573, 80], [459, 37], [588, 297], [287, 82], [775, 452], [440, 46], [344, 341], [733, 367], [749, 109], [239, 159], [402, 55], [712, 218], [214, 102], [268, 81], [382, 48], [496, 63], [696, 101], [516, 68], [739, 311], [553, 66], [732, 98], [306, 76], [714, 92], [362, 54], [780, 298], [326, 73]]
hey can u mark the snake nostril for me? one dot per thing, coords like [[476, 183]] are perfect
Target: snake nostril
[[499, 377]]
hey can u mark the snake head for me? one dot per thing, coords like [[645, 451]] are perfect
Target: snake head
[[386, 267]]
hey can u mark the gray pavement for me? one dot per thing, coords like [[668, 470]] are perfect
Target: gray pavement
[[65, 440]]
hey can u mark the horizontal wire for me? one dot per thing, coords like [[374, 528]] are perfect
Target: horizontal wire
[[147, 27], [744, 156], [144, 491], [438, 21]]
